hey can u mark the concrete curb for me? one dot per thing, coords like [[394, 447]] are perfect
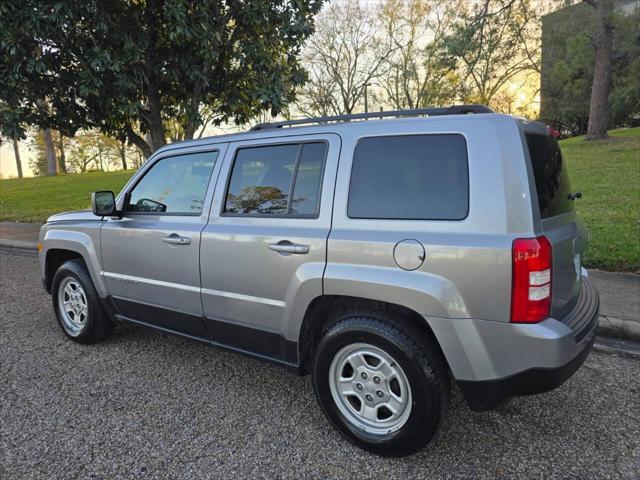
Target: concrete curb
[[619, 328], [613, 346], [21, 244]]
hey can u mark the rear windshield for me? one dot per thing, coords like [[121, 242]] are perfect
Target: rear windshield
[[552, 178]]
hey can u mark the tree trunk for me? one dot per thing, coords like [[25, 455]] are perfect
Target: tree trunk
[[599, 105], [62, 157], [156, 127], [153, 118], [138, 141], [191, 123], [123, 154], [100, 156], [16, 151], [52, 164]]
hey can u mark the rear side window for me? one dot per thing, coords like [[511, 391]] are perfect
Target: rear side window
[[411, 177], [277, 180], [551, 176]]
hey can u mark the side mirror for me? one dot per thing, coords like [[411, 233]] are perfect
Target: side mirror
[[103, 203]]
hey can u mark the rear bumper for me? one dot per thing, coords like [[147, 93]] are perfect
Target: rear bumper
[[490, 394], [493, 361]]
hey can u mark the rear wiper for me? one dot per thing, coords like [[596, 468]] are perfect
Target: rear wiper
[[573, 196]]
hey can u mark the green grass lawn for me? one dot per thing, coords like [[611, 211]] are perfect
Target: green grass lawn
[[35, 199], [607, 172]]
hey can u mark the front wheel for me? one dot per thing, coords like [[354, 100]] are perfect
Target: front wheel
[[384, 389], [77, 305]]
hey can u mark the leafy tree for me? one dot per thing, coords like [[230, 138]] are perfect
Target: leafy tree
[[491, 45], [345, 55], [568, 68], [624, 99], [92, 150], [38, 162], [418, 73], [130, 67]]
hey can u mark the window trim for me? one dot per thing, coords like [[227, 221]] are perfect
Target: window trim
[[171, 214], [300, 144], [403, 219]]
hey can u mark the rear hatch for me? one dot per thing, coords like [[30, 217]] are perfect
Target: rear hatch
[[560, 224]]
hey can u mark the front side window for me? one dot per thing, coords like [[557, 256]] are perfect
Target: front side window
[[276, 180], [410, 177], [174, 185]]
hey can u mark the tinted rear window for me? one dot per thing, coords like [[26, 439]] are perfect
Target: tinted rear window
[[412, 177], [551, 176]]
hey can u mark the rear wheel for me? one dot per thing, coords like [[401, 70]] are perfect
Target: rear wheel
[[77, 305], [385, 389]]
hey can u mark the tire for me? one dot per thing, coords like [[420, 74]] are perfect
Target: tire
[[416, 363], [88, 323]]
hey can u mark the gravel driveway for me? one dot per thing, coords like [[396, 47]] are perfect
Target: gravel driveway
[[149, 405]]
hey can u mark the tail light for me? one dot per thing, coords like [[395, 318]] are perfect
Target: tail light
[[531, 289]]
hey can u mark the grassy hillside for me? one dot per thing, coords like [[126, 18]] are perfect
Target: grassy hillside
[[607, 172], [34, 199]]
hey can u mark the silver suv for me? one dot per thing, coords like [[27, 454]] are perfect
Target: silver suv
[[384, 257]]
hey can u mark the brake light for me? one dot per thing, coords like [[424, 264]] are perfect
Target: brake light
[[531, 289], [553, 132]]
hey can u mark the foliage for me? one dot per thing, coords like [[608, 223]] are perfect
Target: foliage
[[568, 66], [120, 66], [258, 199]]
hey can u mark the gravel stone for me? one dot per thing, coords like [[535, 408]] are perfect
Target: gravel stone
[[149, 405]]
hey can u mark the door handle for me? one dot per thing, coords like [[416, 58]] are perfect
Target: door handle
[[286, 246], [175, 239]]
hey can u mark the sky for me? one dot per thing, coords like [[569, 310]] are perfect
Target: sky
[[8, 162]]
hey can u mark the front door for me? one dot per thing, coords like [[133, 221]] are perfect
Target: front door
[[151, 255], [263, 251]]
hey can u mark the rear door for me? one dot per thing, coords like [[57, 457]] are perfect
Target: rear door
[[560, 224], [265, 244]]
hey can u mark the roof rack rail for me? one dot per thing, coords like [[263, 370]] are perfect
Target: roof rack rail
[[431, 112]]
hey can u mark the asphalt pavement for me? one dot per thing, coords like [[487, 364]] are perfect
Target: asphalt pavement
[[149, 405]]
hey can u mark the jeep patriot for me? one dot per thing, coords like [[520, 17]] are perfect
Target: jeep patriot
[[387, 254]]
